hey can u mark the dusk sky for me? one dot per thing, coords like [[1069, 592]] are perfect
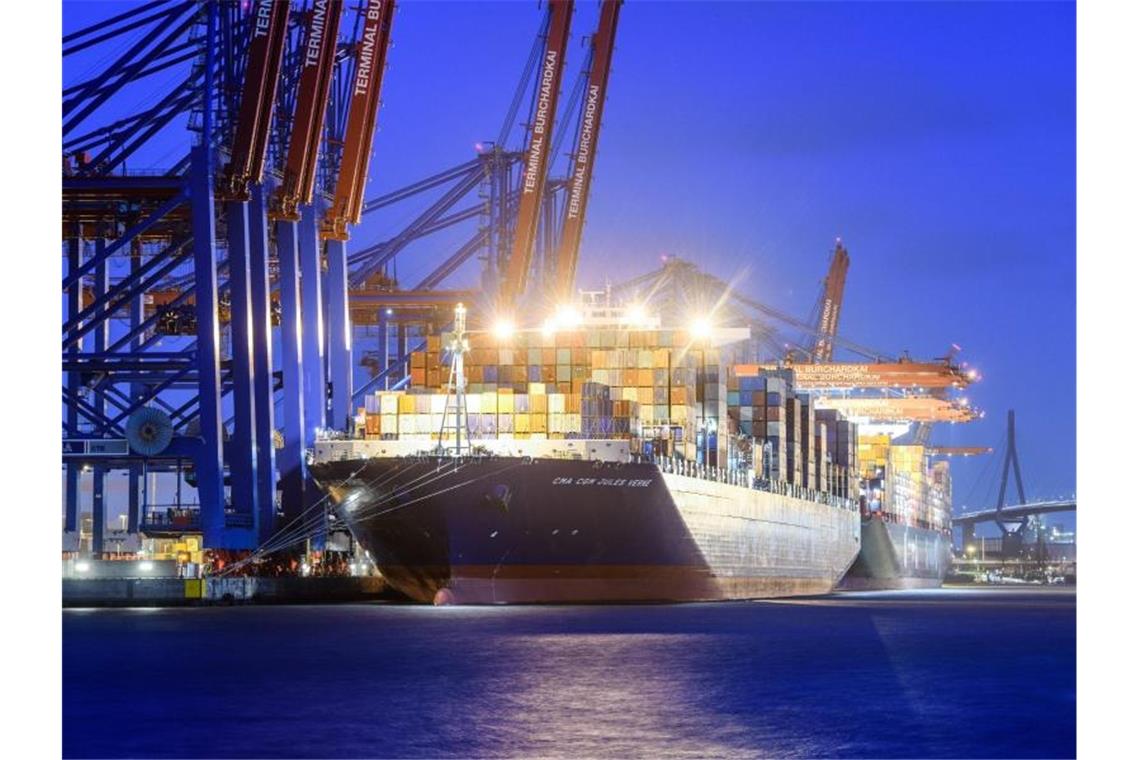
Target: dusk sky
[[937, 139]]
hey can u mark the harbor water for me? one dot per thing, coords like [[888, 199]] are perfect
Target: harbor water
[[971, 672]]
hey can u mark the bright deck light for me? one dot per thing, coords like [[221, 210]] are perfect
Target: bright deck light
[[503, 329], [567, 316], [700, 328], [82, 567]]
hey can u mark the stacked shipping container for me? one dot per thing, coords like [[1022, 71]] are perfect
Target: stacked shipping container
[[674, 388], [902, 483], [674, 393], [794, 441], [500, 414]]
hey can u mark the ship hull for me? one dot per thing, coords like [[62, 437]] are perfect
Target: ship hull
[[898, 556], [512, 530]]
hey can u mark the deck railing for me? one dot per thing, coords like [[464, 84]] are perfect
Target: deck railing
[[688, 469]]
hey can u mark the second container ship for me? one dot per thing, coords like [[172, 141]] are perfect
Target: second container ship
[[906, 501]]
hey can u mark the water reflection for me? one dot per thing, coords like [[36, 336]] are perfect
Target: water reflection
[[840, 676]]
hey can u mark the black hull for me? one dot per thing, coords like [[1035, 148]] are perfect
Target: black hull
[[510, 530]]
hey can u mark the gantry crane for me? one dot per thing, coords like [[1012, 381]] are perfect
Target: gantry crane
[[371, 54], [269, 26], [303, 385], [348, 197], [533, 180], [317, 60], [923, 431], [903, 375], [830, 302], [585, 150]]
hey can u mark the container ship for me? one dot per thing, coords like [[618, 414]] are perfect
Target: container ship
[[906, 504], [607, 460]]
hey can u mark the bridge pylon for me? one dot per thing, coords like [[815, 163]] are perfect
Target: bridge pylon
[[1011, 536]]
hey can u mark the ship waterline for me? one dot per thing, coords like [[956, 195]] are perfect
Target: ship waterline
[[493, 530]]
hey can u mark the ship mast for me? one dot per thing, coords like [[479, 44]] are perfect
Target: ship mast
[[457, 381]]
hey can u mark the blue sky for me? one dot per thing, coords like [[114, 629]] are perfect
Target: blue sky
[[937, 139]]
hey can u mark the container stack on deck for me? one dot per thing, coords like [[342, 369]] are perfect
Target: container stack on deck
[[675, 396], [903, 484], [653, 384], [796, 443], [939, 495], [502, 413]]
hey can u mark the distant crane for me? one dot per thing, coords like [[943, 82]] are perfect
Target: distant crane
[[830, 302], [924, 429]]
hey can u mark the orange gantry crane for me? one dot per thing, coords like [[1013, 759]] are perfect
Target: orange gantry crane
[[371, 54], [586, 149], [903, 375], [259, 93], [831, 301], [899, 409], [318, 58], [537, 152]]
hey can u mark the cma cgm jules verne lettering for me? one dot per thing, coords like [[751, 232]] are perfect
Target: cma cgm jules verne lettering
[[595, 463]]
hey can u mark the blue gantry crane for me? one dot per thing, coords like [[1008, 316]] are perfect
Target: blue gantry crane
[[171, 274], [210, 300]]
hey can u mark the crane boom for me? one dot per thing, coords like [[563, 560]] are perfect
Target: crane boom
[[586, 149], [371, 53], [317, 61], [936, 376], [958, 451], [269, 24], [830, 303], [924, 430], [896, 409], [538, 151]]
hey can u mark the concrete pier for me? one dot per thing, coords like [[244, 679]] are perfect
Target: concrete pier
[[173, 592]]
